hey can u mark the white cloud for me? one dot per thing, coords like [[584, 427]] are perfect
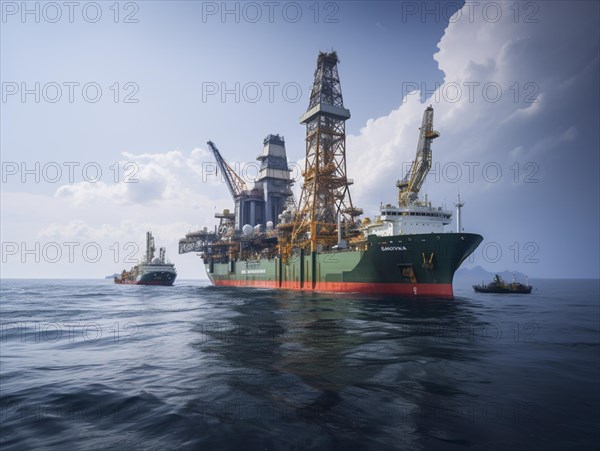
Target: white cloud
[[154, 179], [501, 95], [82, 192]]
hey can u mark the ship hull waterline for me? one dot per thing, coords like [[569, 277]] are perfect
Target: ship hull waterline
[[502, 290], [162, 278], [403, 265]]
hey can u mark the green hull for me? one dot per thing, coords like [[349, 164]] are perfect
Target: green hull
[[421, 264]]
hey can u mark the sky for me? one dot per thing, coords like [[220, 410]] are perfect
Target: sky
[[106, 109]]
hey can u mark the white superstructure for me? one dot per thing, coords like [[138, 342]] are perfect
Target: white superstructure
[[409, 220]]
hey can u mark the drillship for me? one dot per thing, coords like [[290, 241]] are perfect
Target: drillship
[[319, 243], [151, 270]]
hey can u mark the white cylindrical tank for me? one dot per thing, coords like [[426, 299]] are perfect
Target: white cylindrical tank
[[247, 229], [269, 225]]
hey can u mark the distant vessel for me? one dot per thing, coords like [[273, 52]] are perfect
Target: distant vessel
[[151, 270], [500, 286]]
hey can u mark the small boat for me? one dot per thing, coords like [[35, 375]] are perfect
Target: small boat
[[500, 286]]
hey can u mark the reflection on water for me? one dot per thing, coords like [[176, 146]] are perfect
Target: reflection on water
[[352, 362], [198, 367]]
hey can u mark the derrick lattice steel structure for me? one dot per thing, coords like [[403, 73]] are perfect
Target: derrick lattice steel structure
[[410, 185], [325, 202]]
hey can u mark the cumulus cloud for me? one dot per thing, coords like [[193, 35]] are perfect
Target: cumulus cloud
[[153, 179], [501, 82], [82, 192]]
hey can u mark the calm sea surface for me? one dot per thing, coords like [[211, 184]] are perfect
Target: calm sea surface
[[87, 364]]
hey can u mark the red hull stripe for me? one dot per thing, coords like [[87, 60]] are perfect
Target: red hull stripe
[[418, 289]]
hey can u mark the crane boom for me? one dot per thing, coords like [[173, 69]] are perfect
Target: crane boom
[[235, 183], [412, 182]]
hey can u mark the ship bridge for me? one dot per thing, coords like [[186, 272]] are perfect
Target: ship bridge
[[409, 220]]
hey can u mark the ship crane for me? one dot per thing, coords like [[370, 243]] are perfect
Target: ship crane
[[235, 183], [412, 182], [236, 186]]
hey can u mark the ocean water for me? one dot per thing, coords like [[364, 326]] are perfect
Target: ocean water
[[87, 364]]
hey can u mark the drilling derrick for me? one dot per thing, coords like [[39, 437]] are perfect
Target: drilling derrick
[[325, 199], [410, 185]]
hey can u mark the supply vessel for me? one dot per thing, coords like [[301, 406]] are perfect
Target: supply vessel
[[498, 285], [151, 270], [320, 243]]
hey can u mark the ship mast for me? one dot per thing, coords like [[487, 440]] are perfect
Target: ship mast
[[149, 247], [458, 204], [325, 194], [410, 185]]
